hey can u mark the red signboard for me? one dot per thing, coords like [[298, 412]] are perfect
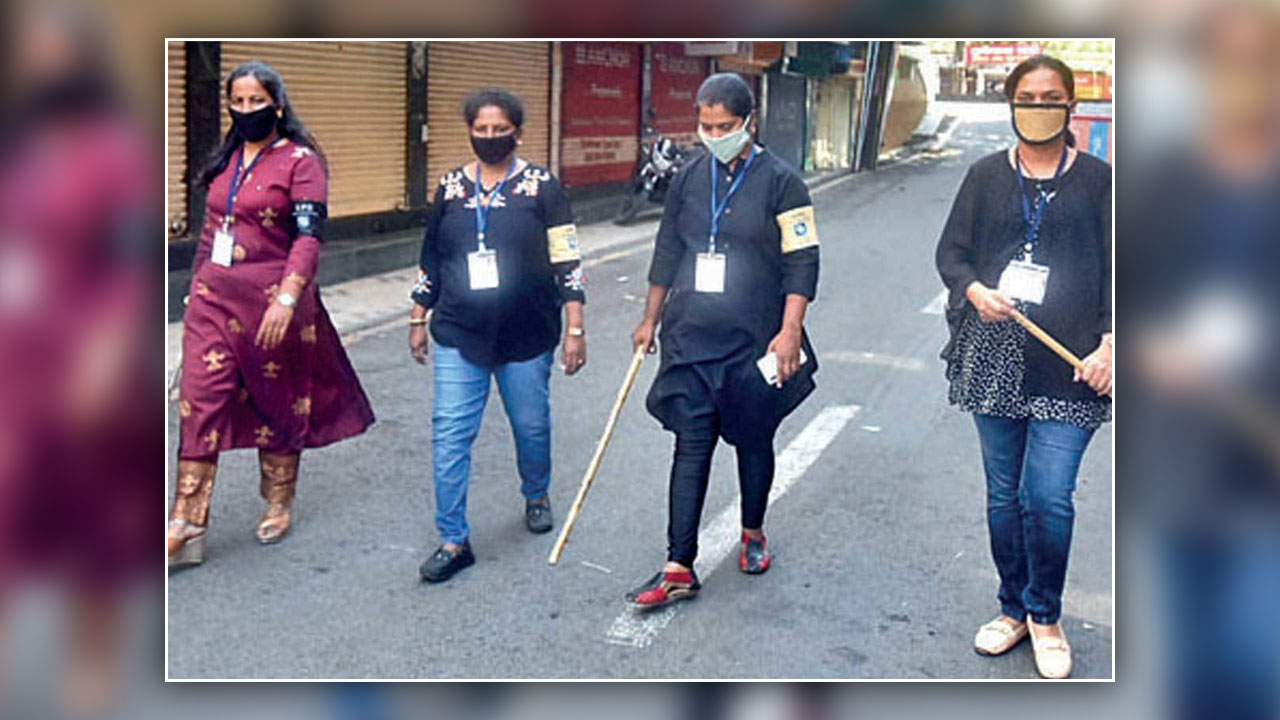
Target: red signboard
[[600, 112], [1001, 53], [674, 82]]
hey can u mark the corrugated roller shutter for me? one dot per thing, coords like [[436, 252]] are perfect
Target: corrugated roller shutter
[[351, 95], [456, 69], [177, 150]]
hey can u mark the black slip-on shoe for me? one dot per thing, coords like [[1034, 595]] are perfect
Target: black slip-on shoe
[[537, 516], [443, 564]]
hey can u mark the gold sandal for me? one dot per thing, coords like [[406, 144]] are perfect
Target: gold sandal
[[185, 534], [279, 480]]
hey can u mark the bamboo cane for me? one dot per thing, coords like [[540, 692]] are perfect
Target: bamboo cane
[[1058, 348], [594, 466]]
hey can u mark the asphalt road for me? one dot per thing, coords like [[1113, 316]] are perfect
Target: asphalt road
[[881, 568]]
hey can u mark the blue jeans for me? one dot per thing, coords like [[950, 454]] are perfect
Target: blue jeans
[[461, 391], [1031, 468]]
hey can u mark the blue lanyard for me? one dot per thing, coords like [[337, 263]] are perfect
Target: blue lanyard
[[717, 209], [482, 213], [1035, 217], [237, 181]]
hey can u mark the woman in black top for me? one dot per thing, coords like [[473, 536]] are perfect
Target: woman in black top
[[1031, 229], [734, 268], [499, 260]]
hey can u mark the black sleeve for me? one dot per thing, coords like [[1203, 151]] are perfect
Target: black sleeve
[[798, 231], [955, 253], [563, 249], [1104, 313], [668, 250], [426, 291]]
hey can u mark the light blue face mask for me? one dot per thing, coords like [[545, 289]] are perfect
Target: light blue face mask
[[727, 146]]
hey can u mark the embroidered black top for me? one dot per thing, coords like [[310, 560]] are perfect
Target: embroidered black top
[[530, 226], [986, 230], [710, 341]]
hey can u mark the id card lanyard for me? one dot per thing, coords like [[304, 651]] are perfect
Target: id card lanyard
[[709, 269], [717, 209], [1024, 280], [1034, 216], [223, 240], [482, 209], [237, 182], [482, 265]]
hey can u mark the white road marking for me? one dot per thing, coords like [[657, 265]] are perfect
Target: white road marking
[[870, 358], [936, 306], [594, 566], [719, 538]]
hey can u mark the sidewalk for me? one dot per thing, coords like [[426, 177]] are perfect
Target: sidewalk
[[363, 303], [367, 302]]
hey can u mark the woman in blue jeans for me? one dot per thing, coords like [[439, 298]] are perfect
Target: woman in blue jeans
[[1031, 229], [499, 262]]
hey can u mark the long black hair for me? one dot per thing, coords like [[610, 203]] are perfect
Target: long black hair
[[288, 126]]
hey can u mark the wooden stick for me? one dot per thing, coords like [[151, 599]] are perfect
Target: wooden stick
[[594, 466], [1058, 348]]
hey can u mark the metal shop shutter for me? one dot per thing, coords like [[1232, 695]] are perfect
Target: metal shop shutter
[[456, 69], [177, 145], [351, 95]]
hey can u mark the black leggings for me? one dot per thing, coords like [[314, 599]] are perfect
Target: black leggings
[[690, 470]]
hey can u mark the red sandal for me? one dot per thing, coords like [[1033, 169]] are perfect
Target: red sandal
[[754, 558], [663, 589]]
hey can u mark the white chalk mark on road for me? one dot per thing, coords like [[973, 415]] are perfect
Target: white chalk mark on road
[[719, 538]]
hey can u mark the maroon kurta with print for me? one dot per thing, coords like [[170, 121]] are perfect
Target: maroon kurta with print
[[235, 394]]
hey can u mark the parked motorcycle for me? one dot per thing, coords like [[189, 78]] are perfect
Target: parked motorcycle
[[659, 161]]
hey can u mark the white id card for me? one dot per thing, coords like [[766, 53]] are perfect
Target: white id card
[[709, 273], [1025, 281], [482, 265], [769, 366], [223, 244]]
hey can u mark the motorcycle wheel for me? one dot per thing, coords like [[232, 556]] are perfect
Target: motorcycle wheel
[[631, 205]]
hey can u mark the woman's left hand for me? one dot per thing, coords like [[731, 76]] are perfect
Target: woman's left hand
[[1097, 369], [786, 345], [575, 353], [275, 323]]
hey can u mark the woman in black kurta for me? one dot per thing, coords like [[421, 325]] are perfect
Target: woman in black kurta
[[723, 305]]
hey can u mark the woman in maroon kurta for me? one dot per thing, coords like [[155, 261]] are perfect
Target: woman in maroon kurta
[[262, 366]]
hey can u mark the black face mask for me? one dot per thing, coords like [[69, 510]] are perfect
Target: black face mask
[[256, 125], [493, 149]]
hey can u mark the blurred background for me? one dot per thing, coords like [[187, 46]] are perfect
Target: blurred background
[[82, 304]]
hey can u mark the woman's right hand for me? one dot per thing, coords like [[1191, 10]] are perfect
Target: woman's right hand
[[418, 343], [992, 305], [643, 336]]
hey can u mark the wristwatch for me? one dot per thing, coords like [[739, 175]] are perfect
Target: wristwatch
[[286, 300], [576, 332]]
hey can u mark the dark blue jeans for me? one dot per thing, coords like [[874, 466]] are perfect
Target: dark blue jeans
[[1031, 468]]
